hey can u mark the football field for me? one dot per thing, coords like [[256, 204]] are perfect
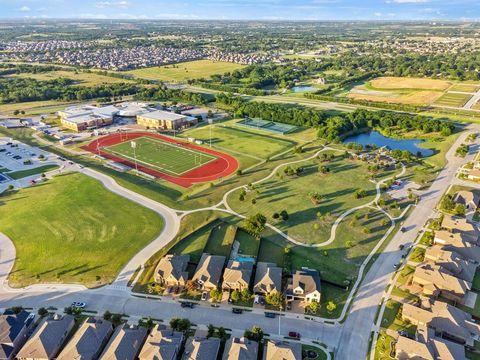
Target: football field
[[170, 158]]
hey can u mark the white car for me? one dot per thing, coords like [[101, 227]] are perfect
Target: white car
[[204, 295], [79, 305]]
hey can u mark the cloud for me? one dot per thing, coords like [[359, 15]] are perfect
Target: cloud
[[118, 4], [25, 8]]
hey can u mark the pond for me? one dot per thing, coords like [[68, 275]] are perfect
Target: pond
[[303, 88], [375, 138]]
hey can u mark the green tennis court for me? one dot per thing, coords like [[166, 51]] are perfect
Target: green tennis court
[[167, 157]]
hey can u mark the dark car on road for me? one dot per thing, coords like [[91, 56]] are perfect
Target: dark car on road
[[187, 305], [237, 311], [294, 334]]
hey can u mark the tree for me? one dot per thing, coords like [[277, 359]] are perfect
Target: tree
[[331, 306], [235, 296], [42, 312], [246, 295], [222, 333], [274, 298], [16, 309], [255, 224], [180, 324], [313, 306], [254, 334], [210, 330], [459, 210], [216, 295], [107, 315]]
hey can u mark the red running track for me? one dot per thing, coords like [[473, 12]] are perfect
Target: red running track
[[223, 166]]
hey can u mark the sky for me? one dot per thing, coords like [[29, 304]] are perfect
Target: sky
[[245, 9]]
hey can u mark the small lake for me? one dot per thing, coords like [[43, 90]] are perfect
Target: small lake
[[375, 138], [303, 88]]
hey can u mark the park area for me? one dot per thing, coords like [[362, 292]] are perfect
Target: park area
[[178, 162], [63, 233], [413, 91], [79, 77], [184, 71]]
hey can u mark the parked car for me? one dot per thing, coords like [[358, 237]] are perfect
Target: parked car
[[294, 334], [204, 296], [79, 305], [270, 315], [237, 311], [186, 305]]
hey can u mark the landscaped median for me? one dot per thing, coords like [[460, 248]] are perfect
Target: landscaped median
[[73, 230]]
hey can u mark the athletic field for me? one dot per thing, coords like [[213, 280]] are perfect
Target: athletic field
[[170, 158]]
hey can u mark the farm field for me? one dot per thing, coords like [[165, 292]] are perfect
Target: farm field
[[453, 99], [81, 78], [160, 155], [77, 238], [184, 71], [308, 222], [393, 83], [471, 88], [240, 141]]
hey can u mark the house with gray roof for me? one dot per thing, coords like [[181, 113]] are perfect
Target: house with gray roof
[[161, 344], [13, 332], [305, 286], [125, 343], [240, 349], [48, 338], [201, 348], [284, 350], [88, 341], [172, 270], [237, 275]]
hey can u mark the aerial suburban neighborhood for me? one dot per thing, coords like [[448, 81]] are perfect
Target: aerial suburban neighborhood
[[266, 180]]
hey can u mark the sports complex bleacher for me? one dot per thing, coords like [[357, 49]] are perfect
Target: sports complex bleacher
[[272, 126]]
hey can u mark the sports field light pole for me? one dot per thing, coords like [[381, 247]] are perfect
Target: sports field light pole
[[95, 132], [210, 121], [134, 146]]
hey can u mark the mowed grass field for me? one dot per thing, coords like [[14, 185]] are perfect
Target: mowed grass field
[[393, 83], [73, 230], [160, 155], [465, 87], [184, 71], [308, 222], [241, 143], [453, 99], [81, 78]]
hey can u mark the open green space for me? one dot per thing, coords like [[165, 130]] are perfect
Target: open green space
[[221, 239], [321, 355], [392, 318], [418, 255], [241, 142], [406, 275], [160, 155], [35, 171], [184, 71], [80, 78], [453, 99], [309, 220], [464, 87], [63, 233], [249, 245]]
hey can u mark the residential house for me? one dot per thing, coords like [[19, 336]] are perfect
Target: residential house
[[305, 286], [268, 278], [48, 338], [467, 198], [13, 332], [284, 350], [453, 242], [436, 280], [445, 320], [237, 275], [456, 224], [171, 270], [125, 343], [474, 175], [444, 237], [240, 349], [161, 344], [209, 271], [88, 341], [457, 265], [435, 348], [201, 348]]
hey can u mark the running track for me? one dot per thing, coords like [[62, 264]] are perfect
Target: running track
[[223, 166]]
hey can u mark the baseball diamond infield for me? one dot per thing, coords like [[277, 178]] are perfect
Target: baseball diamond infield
[[179, 162]]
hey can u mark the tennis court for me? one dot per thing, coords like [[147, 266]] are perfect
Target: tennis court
[[171, 158]]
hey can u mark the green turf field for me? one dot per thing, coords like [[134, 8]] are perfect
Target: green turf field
[[161, 155], [72, 229], [453, 99]]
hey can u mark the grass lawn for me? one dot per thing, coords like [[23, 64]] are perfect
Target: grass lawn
[[270, 251], [384, 349], [81, 78], [77, 238], [184, 71], [464, 87], [37, 107], [453, 99], [320, 353], [35, 171], [291, 193], [161, 155], [392, 320], [240, 141], [418, 255], [194, 243], [394, 83], [249, 245], [221, 239], [404, 294], [406, 274]]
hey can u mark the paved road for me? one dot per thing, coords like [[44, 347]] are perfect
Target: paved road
[[355, 334]]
